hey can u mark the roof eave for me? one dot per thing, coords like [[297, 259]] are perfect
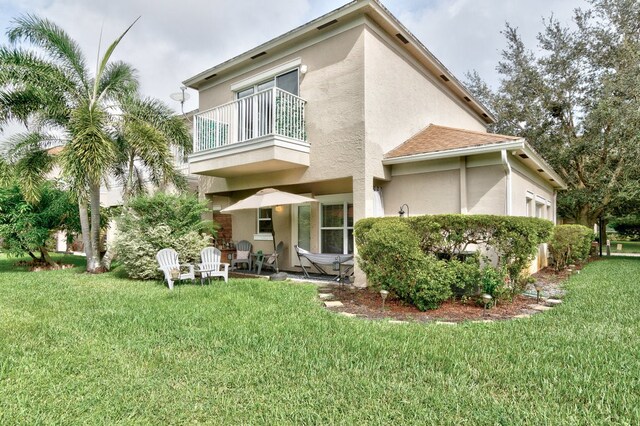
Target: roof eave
[[471, 150]]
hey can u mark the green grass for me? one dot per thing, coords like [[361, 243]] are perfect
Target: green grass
[[627, 246], [84, 349]]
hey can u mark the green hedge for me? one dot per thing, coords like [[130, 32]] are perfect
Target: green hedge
[[150, 223], [396, 253], [570, 244]]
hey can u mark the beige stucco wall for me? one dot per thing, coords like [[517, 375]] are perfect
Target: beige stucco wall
[[524, 181], [425, 193], [402, 98], [334, 90], [486, 190]]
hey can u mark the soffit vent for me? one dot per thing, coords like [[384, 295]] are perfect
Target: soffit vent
[[402, 38], [466, 98], [485, 115], [444, 77], [258, 55], [540, 170], [524, 156], [210, 77], [327, 24]]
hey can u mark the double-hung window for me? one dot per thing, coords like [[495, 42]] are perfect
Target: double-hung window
[[336, 227]]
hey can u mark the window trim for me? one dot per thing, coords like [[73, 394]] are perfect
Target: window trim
[[265, 75], [263, 236], [336, 199]]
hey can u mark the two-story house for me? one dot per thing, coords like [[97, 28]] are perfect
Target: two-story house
[[352, 110]]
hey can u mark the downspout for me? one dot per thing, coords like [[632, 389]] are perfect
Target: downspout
[[507, 170]]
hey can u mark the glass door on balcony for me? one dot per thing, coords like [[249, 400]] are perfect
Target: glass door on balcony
[[255, 106]]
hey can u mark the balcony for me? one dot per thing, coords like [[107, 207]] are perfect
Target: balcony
[[260, 133]]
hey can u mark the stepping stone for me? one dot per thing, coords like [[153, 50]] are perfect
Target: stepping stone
[[540, 307], [554, 302], [324, 296], [523, 316], [333, 304], [483, 321], [397, 322], [348, 314], [445, 322]]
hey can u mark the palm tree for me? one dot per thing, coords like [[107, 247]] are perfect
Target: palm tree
[[55, 93]]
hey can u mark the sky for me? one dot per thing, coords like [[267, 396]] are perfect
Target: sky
[[174, 40]]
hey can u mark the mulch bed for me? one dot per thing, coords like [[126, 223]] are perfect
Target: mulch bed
[[367, 303], [41, 266]]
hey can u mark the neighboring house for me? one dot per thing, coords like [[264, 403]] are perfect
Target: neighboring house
[[353, 110]]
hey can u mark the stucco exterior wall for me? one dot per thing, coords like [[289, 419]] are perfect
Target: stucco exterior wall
[[402, 98], [524, 181], [334, 90], [486, 190], [425, 193]]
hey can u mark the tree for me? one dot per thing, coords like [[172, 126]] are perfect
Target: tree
[[27, 227], [578, 104], [51, 89]]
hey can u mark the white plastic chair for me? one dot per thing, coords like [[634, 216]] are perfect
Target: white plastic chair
[[211, 265], [168, 261]]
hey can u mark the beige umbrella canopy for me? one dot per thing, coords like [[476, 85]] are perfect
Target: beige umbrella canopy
[[268, 197]]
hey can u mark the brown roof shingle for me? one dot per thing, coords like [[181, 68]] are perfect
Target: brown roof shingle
[[439, 138]]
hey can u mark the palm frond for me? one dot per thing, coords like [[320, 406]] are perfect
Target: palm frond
[[105, 60], [53, 39], [118, 79]]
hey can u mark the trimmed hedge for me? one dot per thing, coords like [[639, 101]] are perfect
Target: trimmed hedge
[[570, 244], [396, 253]]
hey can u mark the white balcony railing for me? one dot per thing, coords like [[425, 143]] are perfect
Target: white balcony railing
[[267, 113]]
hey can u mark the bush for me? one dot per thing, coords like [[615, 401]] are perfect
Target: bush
[[466, 277], [495, 282], [627, 227], [390, 255], [397, 252], [570, 244], [151, 223], [433, 284]]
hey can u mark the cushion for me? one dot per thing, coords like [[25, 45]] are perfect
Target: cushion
[[241, 254]]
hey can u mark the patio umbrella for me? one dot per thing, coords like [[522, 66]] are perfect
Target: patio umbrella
[[268, 197]]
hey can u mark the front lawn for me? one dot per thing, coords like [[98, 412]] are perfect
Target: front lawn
[[76, 348], [627, 246]]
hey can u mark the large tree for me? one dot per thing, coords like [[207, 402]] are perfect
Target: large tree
[[577, 102], [95, 115]]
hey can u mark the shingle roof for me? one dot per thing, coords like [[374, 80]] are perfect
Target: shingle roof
[[439, 138]]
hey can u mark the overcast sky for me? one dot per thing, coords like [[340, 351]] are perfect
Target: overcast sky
[[175, 40]]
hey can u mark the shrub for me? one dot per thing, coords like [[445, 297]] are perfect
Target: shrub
[[390, 255], [495, 282], [628, 227], [466, 276], [433, 284], [151, 223], [569, 244], [390, 251]]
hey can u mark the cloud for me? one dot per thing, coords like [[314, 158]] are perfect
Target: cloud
[[175, 40]]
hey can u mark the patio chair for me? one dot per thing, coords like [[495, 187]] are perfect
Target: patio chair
[[243, 254], [170, 267], [270, 260], [211, 265]]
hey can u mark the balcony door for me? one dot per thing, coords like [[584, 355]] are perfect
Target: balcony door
[[255, 105]]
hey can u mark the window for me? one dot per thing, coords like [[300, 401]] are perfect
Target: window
[[304, 226], [530, 205], [289, 82], [336, 228], [265, 225]]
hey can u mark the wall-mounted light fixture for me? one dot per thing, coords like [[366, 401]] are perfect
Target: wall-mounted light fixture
[[401, 211], [279, 209], [303, 69]]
